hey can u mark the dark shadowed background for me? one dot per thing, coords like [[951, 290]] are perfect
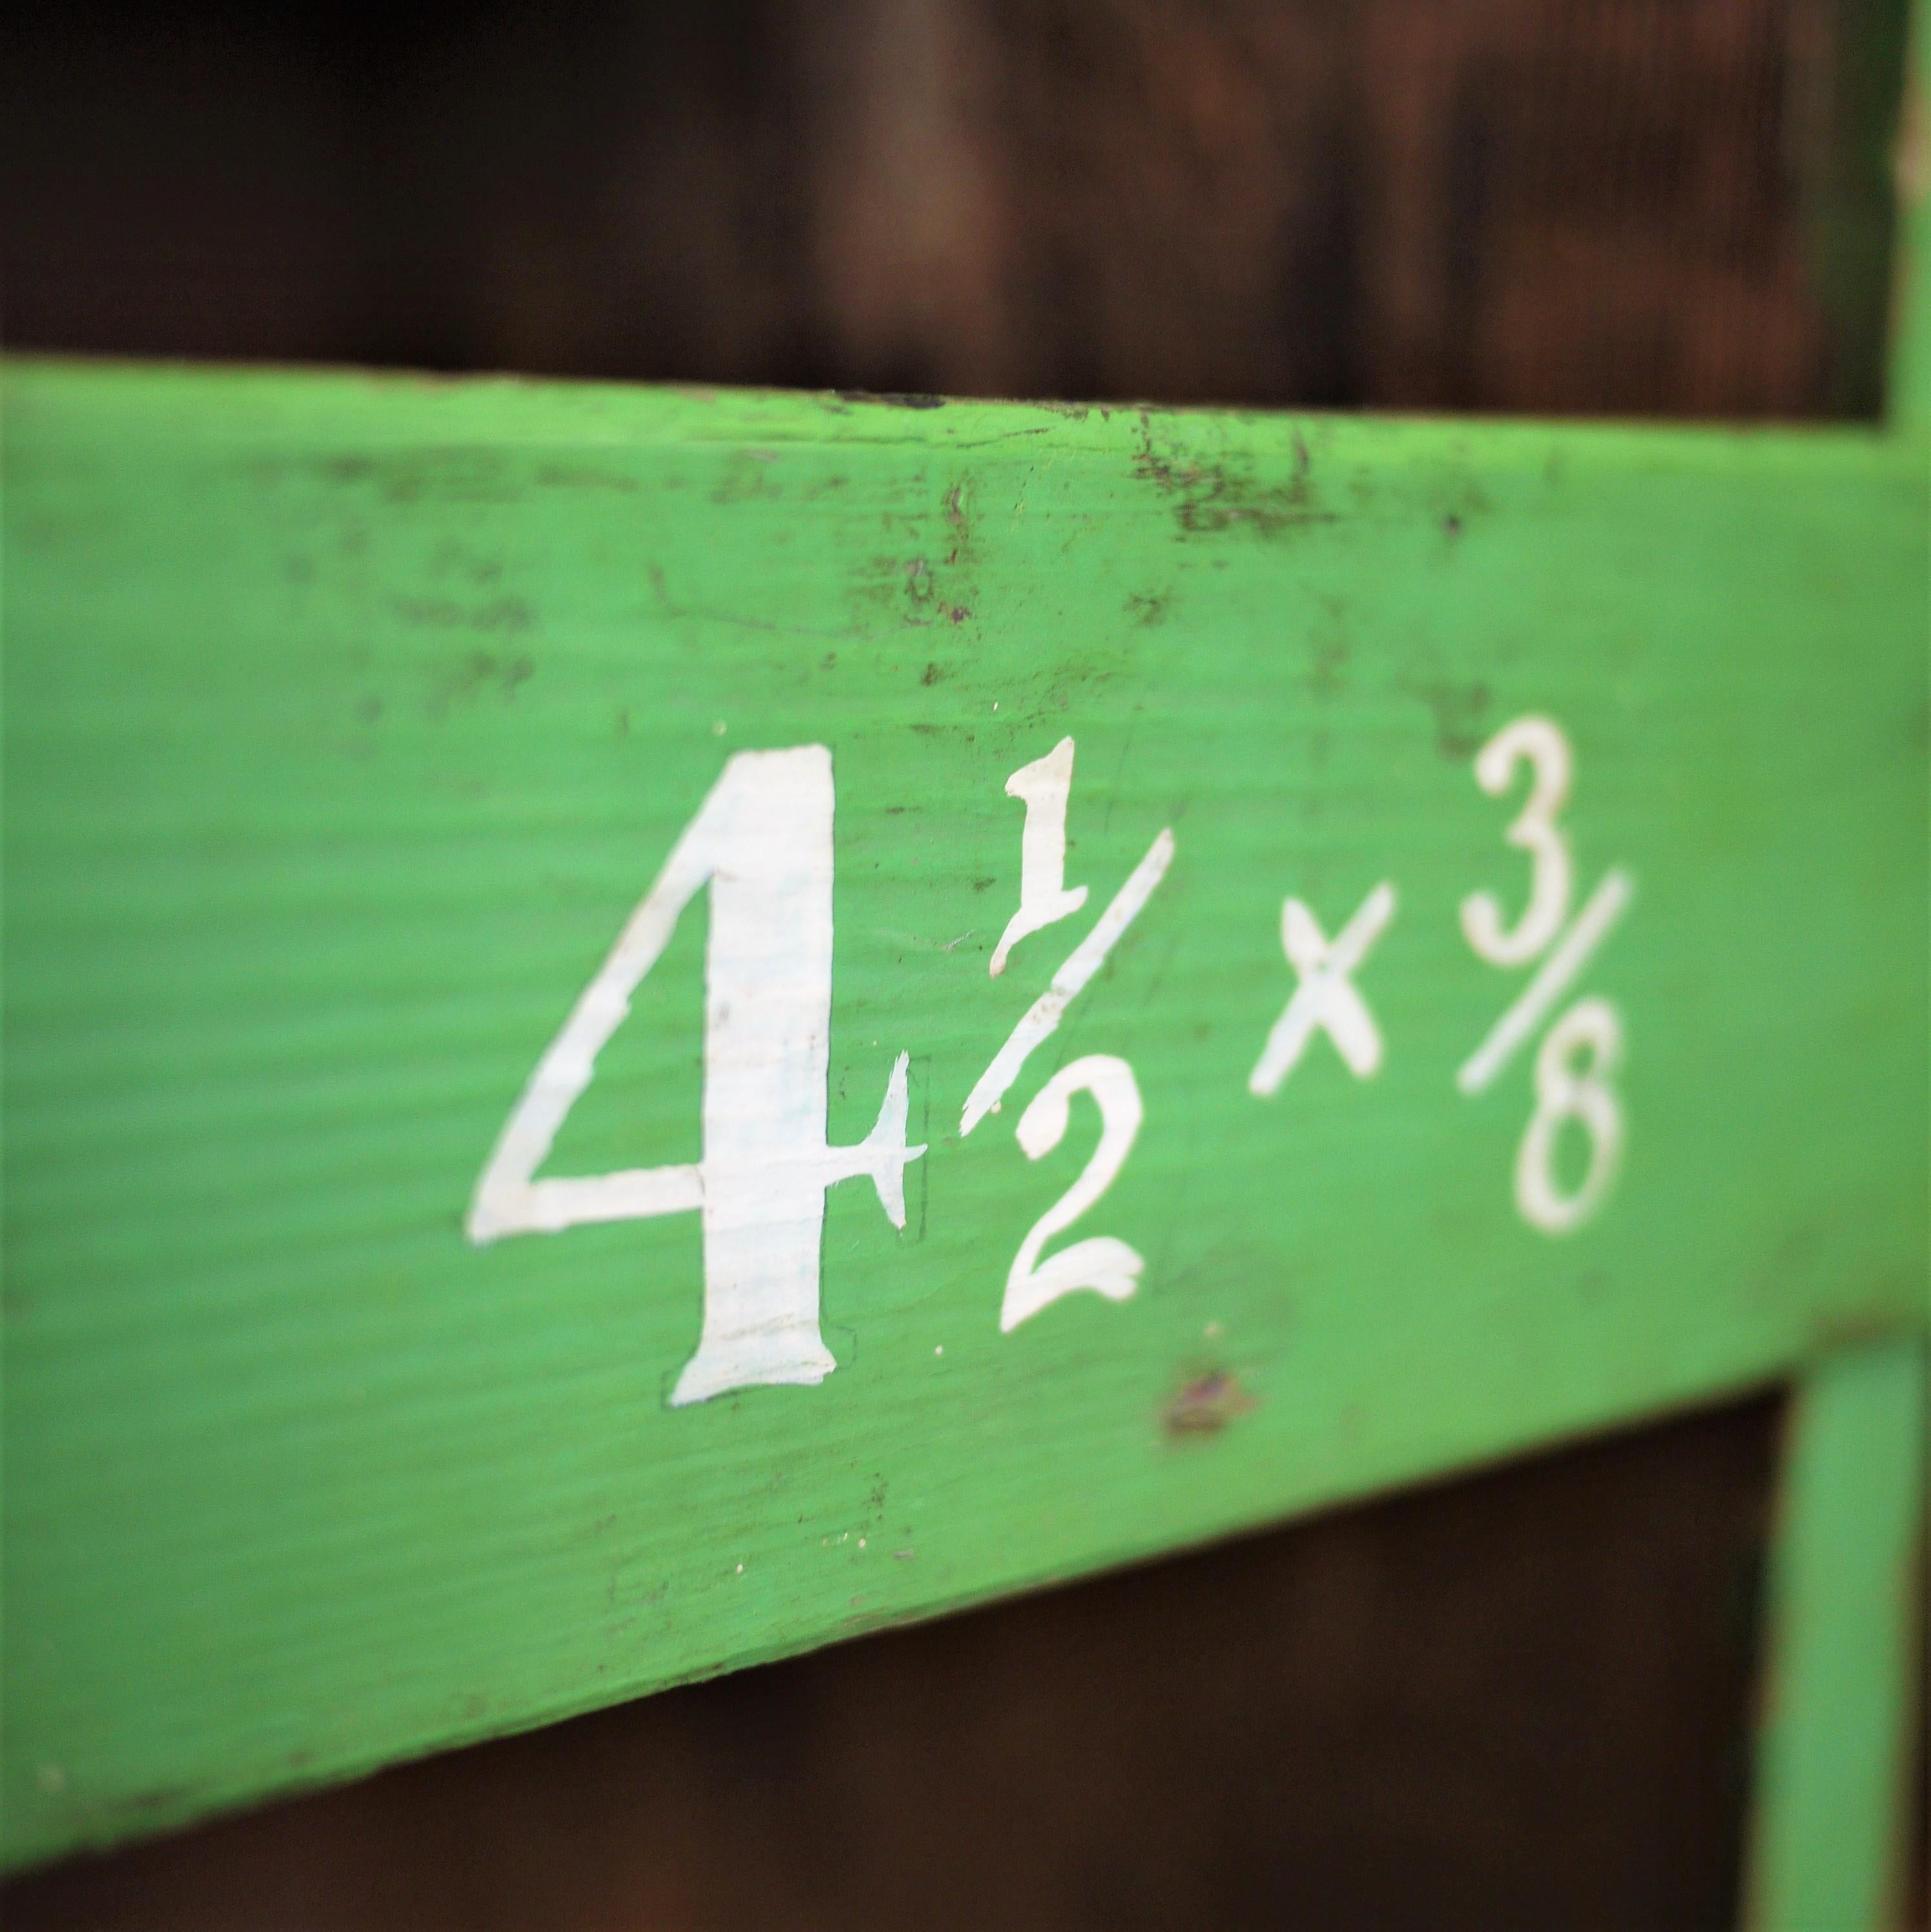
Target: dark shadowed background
[[1523, 1699]]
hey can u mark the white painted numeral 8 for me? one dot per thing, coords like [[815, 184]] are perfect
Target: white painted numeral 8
[[1540, 741], [1562, 1093], [1108, 1266]]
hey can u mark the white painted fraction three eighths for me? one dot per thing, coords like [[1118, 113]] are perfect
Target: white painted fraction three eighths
[[1576, 1064]]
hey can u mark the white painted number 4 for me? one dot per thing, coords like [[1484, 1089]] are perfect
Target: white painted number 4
[[762, 842]]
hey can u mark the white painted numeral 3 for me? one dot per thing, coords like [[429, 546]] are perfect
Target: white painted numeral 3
[[1102, 1263], [762, 842], [1540, 742]]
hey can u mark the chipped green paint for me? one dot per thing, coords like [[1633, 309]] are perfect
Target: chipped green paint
[[348, 720]]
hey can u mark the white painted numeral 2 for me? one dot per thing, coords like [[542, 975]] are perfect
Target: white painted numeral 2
[[1101, 1262], [762, 843]]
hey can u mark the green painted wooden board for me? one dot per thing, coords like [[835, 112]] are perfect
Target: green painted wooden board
[[348, 720]]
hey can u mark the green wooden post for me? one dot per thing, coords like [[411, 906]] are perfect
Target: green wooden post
[[1835, 1755], [1840, 1710], [1910, 400]]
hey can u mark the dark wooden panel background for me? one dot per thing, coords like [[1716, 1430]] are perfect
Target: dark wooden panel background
[[1524, 1699], [1635, 206]]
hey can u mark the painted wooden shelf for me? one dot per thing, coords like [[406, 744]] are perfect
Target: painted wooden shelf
[[523, 1185]]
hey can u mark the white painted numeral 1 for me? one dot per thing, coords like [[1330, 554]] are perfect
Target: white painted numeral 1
[[1045, 786], [1590, 1027], [1107, 1265], [762, 842], [1538, 740]]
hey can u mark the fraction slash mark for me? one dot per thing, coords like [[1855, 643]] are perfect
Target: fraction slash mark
[[1577, 947], [1046, 1012]]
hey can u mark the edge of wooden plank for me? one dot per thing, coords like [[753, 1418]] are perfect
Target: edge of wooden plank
[[360, 409]]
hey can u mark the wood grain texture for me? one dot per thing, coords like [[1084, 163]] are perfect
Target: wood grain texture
[[347, 720], [1225, 1738]]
